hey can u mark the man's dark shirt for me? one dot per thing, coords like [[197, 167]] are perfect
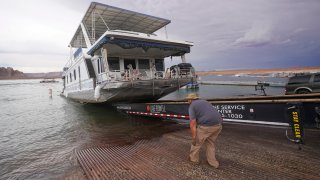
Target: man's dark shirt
[[204, 113]]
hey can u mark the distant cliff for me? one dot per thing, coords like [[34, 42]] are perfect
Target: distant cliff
[[10, 73], [49, 75]]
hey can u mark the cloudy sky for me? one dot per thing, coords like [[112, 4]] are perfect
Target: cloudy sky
[[233, 34]]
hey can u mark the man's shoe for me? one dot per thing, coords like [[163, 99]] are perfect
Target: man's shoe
[[216, 166], [193, 162]]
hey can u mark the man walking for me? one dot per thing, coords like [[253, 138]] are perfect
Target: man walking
[[205, 125]]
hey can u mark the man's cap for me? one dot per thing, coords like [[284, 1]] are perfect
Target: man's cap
[[192, 96]]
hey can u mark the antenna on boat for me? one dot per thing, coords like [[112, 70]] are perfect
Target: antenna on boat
[[165, 30]]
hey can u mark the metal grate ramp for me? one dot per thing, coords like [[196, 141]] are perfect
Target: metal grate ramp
[[123, 162], [260, 153]]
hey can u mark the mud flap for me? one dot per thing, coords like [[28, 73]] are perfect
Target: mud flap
[[295, 119]]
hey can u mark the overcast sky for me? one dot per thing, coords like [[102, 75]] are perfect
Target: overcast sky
[[232, 34]]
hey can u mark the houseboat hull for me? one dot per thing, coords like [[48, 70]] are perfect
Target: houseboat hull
[[129, 91]]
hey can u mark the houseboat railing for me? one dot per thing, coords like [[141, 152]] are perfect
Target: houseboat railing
[[135, 74]]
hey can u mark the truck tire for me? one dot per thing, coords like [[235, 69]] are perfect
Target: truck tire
[[303, 91]]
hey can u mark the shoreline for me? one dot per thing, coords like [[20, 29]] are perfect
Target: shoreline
[[26, 78], [259, 71]]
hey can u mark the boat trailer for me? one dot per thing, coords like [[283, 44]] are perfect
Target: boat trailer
[[293, 111]]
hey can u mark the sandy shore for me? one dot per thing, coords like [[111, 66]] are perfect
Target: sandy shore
[[259, 71]]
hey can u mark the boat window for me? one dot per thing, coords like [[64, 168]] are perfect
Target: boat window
[[79, 71], [144, 64], [114, 63], [100, 66], [99, 69], [159, 65], [70, 77], [129, 61], [75, 75]]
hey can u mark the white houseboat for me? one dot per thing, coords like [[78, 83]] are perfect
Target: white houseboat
[[116, 57]]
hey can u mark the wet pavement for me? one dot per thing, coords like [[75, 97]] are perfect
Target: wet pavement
[[244, 152]]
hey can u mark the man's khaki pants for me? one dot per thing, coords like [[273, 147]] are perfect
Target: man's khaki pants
[[207, 135]]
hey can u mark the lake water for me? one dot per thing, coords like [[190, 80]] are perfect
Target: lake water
[[38, 133], [221, 91]]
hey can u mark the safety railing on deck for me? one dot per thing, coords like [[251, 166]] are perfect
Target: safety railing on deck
[[135, 74]]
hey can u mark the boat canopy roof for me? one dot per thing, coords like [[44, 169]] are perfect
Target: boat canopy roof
[[173, 49], [100, 17]]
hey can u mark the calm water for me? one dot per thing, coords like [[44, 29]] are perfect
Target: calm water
[[39, 134], [220, 91]]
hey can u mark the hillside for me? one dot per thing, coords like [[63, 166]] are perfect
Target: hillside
[[10, 73], [49, 75]]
